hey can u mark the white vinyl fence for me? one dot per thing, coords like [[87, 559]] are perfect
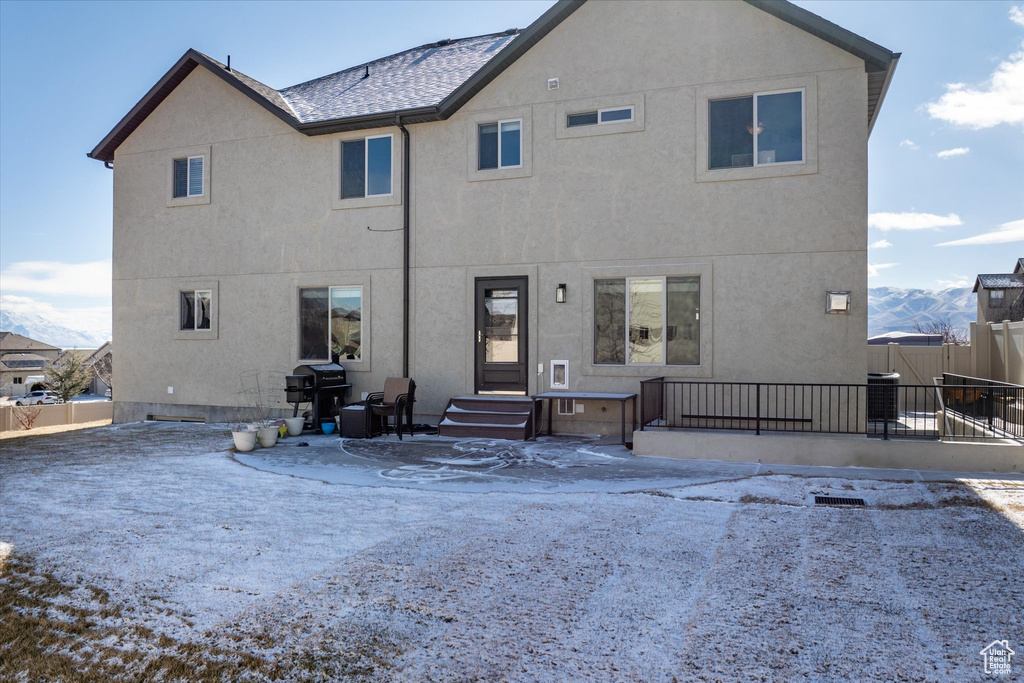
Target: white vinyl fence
[[74, 412]]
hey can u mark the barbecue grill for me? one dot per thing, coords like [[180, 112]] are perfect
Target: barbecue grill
[[323, 385]]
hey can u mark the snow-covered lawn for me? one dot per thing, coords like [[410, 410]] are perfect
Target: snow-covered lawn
[[147, 550]]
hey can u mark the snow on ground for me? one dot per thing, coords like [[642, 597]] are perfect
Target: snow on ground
[[699, 572]]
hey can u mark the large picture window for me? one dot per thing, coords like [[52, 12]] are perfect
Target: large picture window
[[366, 167], [194, 309], [330, 323], [756, 130], [647, 321]]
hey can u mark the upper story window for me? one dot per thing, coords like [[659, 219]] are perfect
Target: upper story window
[[599, 116], [647, 321], [330, 323], [995, 297], [195, 308], [756, 130], [188, 177], [366, 167], [500, 144]]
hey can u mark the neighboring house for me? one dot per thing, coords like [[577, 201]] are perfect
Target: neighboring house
[[906, 339], [22, 362], [690, 177], [1001, 295], [98, 362]]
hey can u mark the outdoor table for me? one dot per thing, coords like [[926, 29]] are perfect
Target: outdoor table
[[591, 396]]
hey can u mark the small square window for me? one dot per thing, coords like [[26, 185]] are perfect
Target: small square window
[[756, 130], [195, 308], [188, 177], [996, 297], [366, 167], [500, 145]]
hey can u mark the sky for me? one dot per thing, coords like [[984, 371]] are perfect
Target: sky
[[946, 158]]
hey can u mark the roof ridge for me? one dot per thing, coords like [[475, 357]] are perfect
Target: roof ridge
[[444, 42]]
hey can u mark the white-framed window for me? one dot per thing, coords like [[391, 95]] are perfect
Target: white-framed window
[[760, 129], [599, 116], [647, 320], [330, 323], [195, 307], [366, 167], [188, 177], [996, 297], [500, 144]]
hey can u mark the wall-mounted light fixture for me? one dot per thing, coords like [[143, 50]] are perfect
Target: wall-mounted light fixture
[[560, 294], [837, 302]]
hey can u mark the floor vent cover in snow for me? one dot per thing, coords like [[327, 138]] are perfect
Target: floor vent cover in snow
[[829, 500]]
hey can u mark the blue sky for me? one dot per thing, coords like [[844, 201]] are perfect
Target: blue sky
[[946, 156]]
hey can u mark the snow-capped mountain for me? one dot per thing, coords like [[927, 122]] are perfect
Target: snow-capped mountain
[[41, 329], [896, 310]]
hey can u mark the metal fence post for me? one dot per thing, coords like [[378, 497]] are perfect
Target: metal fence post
[[757, 431]]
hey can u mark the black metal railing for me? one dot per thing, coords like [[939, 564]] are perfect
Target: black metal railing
[[960, 411]]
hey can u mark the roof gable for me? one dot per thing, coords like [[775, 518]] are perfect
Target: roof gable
[[431, 82]]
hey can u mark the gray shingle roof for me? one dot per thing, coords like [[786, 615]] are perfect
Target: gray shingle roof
[[431, 82], [1000, 281], [421, 77]]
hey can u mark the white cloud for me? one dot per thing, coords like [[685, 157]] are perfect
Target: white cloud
[[87, 318], [961, 281], [1017, 15], [54, 277], [911, 221], [998, 100], [955, 152], [881, 244], [1007, 232], [873, 268], [909, 143]]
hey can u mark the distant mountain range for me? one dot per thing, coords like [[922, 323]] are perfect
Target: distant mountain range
[[39, 328], [889, 310], [896, 310]]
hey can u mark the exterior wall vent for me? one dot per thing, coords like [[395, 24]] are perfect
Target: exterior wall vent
[[552, 84]]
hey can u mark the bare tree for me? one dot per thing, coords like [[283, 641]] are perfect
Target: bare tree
[[25, 416], [950, 333], [104, 369]]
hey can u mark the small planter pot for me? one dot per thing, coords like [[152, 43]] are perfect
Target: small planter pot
[[244, 441], [294, 425], [327, 427], [267, 436]]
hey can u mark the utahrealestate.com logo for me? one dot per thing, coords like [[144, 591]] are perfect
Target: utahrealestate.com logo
[[997, 657]]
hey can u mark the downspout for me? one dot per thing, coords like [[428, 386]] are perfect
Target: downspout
[[405, 244]]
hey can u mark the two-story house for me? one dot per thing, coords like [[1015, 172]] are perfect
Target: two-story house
[[1001, 295], [639, 189]]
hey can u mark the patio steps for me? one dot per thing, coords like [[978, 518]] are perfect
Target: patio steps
[[493, 417]]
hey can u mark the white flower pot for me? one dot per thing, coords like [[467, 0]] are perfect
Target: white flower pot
[[244, 441], [295, 425], [267, 436]]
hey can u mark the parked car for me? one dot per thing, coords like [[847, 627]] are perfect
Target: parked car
[[38, 398]]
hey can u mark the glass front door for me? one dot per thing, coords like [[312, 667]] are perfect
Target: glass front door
[[501, 334]]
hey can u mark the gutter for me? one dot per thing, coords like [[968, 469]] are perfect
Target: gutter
[[406, 192], [885, 88]]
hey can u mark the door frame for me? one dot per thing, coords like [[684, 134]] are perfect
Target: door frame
[[480, 286], [533, 327]]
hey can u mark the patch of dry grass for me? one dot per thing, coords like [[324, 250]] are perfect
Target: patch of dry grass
[[49, 633], [52, 429]]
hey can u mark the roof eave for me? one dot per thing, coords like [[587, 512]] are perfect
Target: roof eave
[[104, 151], [890, 71]]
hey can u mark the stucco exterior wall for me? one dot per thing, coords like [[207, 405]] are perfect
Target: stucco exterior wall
[[767, 243]]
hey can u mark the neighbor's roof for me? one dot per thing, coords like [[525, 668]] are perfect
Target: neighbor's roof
[[431, 82], [1019, 268], [10, 341], [1000, 281]]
